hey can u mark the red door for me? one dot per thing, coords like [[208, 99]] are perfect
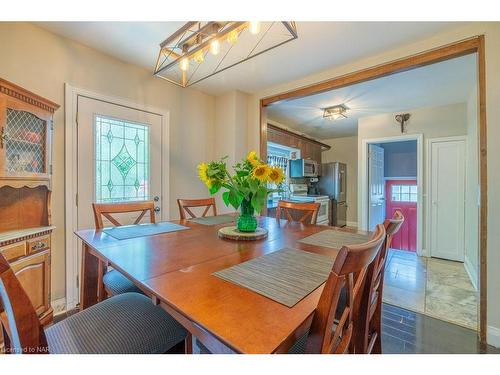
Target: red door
[[402, 195]]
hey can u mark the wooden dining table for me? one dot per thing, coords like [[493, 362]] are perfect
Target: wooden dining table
[[176, 270]]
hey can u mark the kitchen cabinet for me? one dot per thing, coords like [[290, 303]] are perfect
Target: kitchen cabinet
[[309, 148]]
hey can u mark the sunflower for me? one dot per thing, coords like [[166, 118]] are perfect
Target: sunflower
[[253, 159], [276, 175], [203, 175], [261, 172]]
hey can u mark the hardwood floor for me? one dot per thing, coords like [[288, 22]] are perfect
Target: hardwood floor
[[408, 332]]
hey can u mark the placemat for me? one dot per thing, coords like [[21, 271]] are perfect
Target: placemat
[[214, 220], [285, 276], [140, 230], [335, 238]]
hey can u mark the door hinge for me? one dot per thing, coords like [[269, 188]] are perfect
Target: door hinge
[[76, 199], [77, 281], [50, 169], [49, 259], [52, 125]]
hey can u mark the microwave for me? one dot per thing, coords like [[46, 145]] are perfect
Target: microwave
[[303, 168]]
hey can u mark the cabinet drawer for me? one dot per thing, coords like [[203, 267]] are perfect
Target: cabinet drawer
[[37, 244], [13, 251]]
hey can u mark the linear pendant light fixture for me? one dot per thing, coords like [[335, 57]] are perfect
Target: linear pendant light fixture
[[200, 49], [335, 112]]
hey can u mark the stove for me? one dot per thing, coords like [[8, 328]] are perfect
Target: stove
[[299, 194]]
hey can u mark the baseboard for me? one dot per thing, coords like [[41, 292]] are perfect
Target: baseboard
[[59, 306], [425, 253], [471, 272], [352, 224], [493, 336]]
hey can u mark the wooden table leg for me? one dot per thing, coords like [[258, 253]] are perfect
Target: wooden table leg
[[188, 344], [88, 278]]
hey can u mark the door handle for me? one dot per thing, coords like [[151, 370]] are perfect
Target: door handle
[[157, 209], [156, 198]]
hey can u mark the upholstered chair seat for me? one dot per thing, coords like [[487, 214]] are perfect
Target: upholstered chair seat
[[127, 323], [117, 283]]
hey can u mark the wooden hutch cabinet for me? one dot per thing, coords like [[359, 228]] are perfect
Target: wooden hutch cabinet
[[25, 190]]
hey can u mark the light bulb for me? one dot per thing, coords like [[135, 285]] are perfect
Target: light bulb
[[184, 64], [215, 47], [232, 37], [198, 57], [254, 27]]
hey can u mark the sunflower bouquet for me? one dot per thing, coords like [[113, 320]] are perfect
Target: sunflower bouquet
[[247, 188]]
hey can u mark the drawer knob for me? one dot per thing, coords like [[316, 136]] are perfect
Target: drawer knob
[[38, 246]]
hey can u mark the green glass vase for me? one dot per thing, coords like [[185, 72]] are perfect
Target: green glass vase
[[247, 222]]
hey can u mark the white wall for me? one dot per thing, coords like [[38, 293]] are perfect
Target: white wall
[[230, 132], [491, 30], [472, 193], [43, 62], [432, 122], [345, 150]]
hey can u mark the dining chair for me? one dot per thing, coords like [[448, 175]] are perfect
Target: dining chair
[[367, 334], [309, 211], [125, 324], [113, 282], [186, 204], [328, 334]]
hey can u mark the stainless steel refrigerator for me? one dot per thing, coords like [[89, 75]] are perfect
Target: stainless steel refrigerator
[[333, 182]]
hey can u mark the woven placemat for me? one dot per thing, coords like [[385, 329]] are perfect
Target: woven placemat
[[140, 230], [214, 220], [285, 276], [335, 238]]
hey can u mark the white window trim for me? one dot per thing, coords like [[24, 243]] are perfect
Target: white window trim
[[71, 94]]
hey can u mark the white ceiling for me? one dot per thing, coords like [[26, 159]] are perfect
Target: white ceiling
[[320, 45], [439, 84]]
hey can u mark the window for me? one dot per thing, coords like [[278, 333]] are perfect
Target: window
[[121, 160], [404, 193]]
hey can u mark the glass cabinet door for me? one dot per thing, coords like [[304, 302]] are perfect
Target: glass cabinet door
[[24, 139]]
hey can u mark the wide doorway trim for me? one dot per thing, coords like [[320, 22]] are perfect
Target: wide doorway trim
[[464, 47]]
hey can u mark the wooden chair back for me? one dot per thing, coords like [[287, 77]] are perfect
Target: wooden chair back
[[326, 335], [186, 204], [368, 333], [107, 209], [309, 211], [23, 333]]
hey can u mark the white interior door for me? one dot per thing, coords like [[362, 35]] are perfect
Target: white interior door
[[119, 157], [447, 197], [376, 186]]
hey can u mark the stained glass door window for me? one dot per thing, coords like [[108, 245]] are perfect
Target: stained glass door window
[[121, 160]]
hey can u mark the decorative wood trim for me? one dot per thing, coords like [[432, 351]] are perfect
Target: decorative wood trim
[[29, 182], [468, 46], [483, 185], [17, 92], [26, 237], [324, 146], [432, 56]]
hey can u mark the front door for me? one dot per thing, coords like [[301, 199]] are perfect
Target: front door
[[119, 159], [402, 195], [376, 188]]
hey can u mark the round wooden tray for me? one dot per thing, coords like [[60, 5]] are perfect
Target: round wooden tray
[[232, 233]]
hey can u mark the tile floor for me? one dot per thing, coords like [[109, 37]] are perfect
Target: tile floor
[[434, 287]]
